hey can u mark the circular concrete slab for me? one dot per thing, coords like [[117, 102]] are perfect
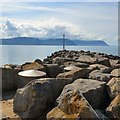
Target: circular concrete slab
[[32, 73], [70, 67]]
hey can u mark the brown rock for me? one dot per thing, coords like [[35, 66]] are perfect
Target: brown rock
[[69, 63], [114, 62], [116, 73], [32, 65], [73, 106], [113, 87], [75, 74], [87, 59], [114, 108]]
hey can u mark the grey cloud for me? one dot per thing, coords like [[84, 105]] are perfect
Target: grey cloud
[[47, 31], [10, 30]]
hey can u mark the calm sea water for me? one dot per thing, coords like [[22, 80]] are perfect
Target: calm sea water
[[19, 54]]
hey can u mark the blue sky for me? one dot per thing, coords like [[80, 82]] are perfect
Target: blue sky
[[78, 20]]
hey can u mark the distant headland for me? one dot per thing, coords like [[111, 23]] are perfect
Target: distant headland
[[50, 41]]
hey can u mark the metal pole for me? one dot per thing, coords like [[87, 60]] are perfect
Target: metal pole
[[63, 41]]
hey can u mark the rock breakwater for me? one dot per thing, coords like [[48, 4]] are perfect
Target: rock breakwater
[[78, 85]]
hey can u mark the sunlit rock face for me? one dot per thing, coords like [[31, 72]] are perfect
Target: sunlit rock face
[[72, 106]]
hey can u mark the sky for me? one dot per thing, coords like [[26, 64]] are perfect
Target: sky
[[77, 20]]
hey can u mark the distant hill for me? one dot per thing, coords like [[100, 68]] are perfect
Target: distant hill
[[90, 43], [50, 41]]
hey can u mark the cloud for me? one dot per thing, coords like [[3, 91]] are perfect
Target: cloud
[[9, 30], [52, 28]]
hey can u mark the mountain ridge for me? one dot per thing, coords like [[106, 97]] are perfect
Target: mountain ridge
[[50, 41]]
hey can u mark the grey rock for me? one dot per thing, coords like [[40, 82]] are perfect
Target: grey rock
[[53, 70], [102, 68], [10, 79], [94, 91], [36, 98], [58, 60], [104, 61], [117, 66], [47, 61], [101, 115], [97, 75], [83, 65], [38, 61]]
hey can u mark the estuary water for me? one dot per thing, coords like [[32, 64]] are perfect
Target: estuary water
[[19, 54]]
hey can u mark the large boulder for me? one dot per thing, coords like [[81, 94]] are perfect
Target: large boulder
[[113, 87], [114, 108], [38, 97], [9, 78], [73, 106], [75, 73], [94, 91], [53, 70], [116, 73], [98, 75]]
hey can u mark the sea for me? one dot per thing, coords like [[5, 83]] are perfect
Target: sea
[[19, 54]]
